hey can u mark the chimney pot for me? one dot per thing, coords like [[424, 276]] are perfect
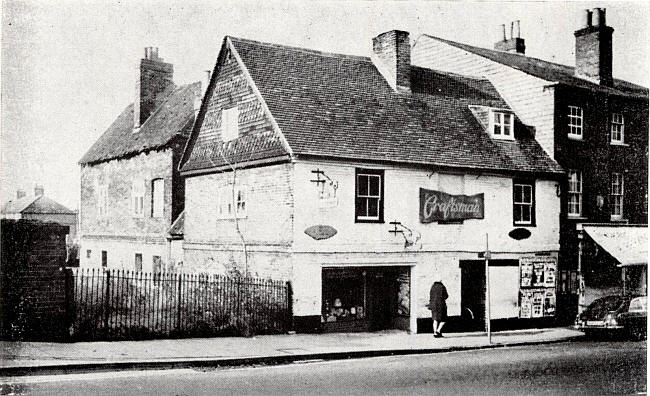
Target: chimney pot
[[20, 194], [38, 190], [518, 28], [512, 28], [513, 44], [595, 17], [503, 32], [586, 19]]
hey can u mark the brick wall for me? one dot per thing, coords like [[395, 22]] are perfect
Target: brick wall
[[32, 280]]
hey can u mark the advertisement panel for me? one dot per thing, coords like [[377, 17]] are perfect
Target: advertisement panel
[[537, 283]]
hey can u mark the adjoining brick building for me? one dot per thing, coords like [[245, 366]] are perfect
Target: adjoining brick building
[[131, 190], [595, 126], [362, 180]]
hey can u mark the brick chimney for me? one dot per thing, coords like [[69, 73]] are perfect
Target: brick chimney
[[154, 79], [515, 43], [392, 57], [20, 194], [594, 48], [38, 190]]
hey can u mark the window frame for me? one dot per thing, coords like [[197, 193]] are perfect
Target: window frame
[[380, 197], [135, 262], [161, 205], [102, 200], [230, 123], [579, 193], [613, 125], [523, 183], [137, 198], [613, 204], [576, 129], [503, 125], [226, 208]]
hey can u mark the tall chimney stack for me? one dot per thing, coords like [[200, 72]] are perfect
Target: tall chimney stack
[[392, 57], [154, 80], [38, 190], [594, 48], [20, 194], [513, 44]]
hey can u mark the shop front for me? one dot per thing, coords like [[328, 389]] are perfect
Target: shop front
[[365, 298], [523, 288]]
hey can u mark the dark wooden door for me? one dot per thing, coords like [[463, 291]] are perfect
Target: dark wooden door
[[472, 291]]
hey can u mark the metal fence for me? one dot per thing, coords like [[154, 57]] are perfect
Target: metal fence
[[117, 304]]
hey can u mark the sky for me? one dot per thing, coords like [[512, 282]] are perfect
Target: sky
[[68, 67]]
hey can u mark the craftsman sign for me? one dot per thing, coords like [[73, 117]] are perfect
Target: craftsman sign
[[320, 231], [440, 206]]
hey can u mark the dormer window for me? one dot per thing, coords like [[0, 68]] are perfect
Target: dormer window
[[502, 125]]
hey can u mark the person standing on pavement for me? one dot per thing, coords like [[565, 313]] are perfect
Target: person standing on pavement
[[438, 306]]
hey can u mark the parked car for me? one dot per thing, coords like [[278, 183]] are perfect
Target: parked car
[[614, 315]]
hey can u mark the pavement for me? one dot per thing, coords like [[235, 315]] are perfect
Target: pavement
[[42, 358]]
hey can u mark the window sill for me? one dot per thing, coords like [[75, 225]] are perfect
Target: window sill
[[620, 144], [618, 220], [523, 225], [576, 217], [362, 221], [574, 137]]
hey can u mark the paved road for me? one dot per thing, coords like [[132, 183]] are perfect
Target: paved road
[[577, 368]]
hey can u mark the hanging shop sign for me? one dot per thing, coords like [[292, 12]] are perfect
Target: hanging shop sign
[[440, 206], [537, 283], [320, 231], [519, 233]]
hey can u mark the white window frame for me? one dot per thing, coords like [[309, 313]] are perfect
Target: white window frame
[[369, 196], [574, 196], [230, 124], [616, 196], [522, 203], [102, 200], [576, 122], [502, 125], [137, 198], [157, 197], [617, 129]]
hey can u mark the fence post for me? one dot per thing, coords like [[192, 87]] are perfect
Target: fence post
[[178, 312], [106, 302], [289, 321], [70, 309]]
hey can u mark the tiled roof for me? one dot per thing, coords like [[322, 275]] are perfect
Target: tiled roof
[[174, 117], [35, 205], [340, 106], [549, 71]]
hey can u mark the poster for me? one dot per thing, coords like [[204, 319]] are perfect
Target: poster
[[537, 282]]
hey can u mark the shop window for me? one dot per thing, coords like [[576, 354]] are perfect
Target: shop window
[[157, 197], [523, 201], [230, 124], [616, 196], [575, 193], [138, 262], [575, 122], [502, 125], [617, 129], [137, 198], [369, 202]]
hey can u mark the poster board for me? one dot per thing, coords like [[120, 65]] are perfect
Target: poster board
[[537, 284]]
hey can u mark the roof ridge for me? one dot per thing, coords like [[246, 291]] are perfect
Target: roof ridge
[[452, 74], [302, 49], [559, 65]]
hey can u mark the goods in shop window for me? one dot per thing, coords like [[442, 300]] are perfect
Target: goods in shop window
[[549, 302]]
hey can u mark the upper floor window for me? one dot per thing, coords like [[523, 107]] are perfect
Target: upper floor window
[[137, 198], [502, 125], [157, 197], [616, 196], [231, 203], [369, 200], [102, 200], [575, 122], [229, 124], [575, 193], [618, 128], [523, 202]]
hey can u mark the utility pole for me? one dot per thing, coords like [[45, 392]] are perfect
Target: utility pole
[[487, 289]]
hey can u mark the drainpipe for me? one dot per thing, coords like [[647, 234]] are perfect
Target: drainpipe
[[581, 281]]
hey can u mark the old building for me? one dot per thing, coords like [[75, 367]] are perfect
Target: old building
[[363, 179], [40, 207], [131, 190], [594, 125]]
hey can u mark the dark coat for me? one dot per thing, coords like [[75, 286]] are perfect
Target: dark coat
[[437, 304]]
